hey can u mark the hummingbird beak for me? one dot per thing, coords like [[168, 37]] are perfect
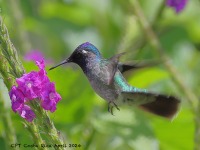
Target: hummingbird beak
[[63, 62]]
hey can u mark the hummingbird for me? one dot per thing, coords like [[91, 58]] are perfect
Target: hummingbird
[[107, 80]]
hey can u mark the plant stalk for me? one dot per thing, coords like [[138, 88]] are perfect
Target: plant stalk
[[155, 43], [11, 69]]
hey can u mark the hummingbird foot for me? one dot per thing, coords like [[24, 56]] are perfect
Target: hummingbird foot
[[110, 107]]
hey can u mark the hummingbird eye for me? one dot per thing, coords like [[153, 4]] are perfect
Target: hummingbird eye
[[84, 51]]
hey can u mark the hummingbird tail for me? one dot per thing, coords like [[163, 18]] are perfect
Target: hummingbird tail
[[164, 106], [158, 104]]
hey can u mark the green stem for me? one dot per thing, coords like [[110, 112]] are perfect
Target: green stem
[[8, 81], [9, 52], [191, 97], [35, 134], [46, 125], [89, 141], [159, 13], [155, 43], [127, 43]]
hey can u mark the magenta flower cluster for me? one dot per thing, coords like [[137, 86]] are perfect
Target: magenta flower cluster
[[31, 86], [178, 5], [36, 55]]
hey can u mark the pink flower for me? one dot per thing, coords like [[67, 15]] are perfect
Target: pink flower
[[17, 98], [31, 83], [30, 86], [50, 97], [36, 55], [42, 73], [27, 113], [178, 5], [40, 64]]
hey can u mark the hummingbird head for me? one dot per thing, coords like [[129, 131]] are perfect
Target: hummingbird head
[[81, 55]]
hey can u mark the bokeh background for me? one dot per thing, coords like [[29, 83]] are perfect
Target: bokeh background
[[57, 27]]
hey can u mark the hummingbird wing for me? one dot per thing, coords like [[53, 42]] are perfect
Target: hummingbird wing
[[162, 105], [123, 67], [111, 68]]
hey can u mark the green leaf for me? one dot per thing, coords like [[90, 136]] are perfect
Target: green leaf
[[72, 13], [177, 134], [146, 77]]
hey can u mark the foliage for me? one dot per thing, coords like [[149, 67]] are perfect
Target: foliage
[[57, 27]]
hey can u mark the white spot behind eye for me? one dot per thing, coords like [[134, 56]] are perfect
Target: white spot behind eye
[[84, 51]]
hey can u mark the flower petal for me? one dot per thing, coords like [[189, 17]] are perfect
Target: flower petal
[[17, 98], [178, 5], [27, 113]]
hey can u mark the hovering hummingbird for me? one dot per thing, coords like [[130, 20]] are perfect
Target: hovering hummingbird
[[106, 78]]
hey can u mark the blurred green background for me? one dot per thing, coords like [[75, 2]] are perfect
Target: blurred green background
[[57, 27]]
